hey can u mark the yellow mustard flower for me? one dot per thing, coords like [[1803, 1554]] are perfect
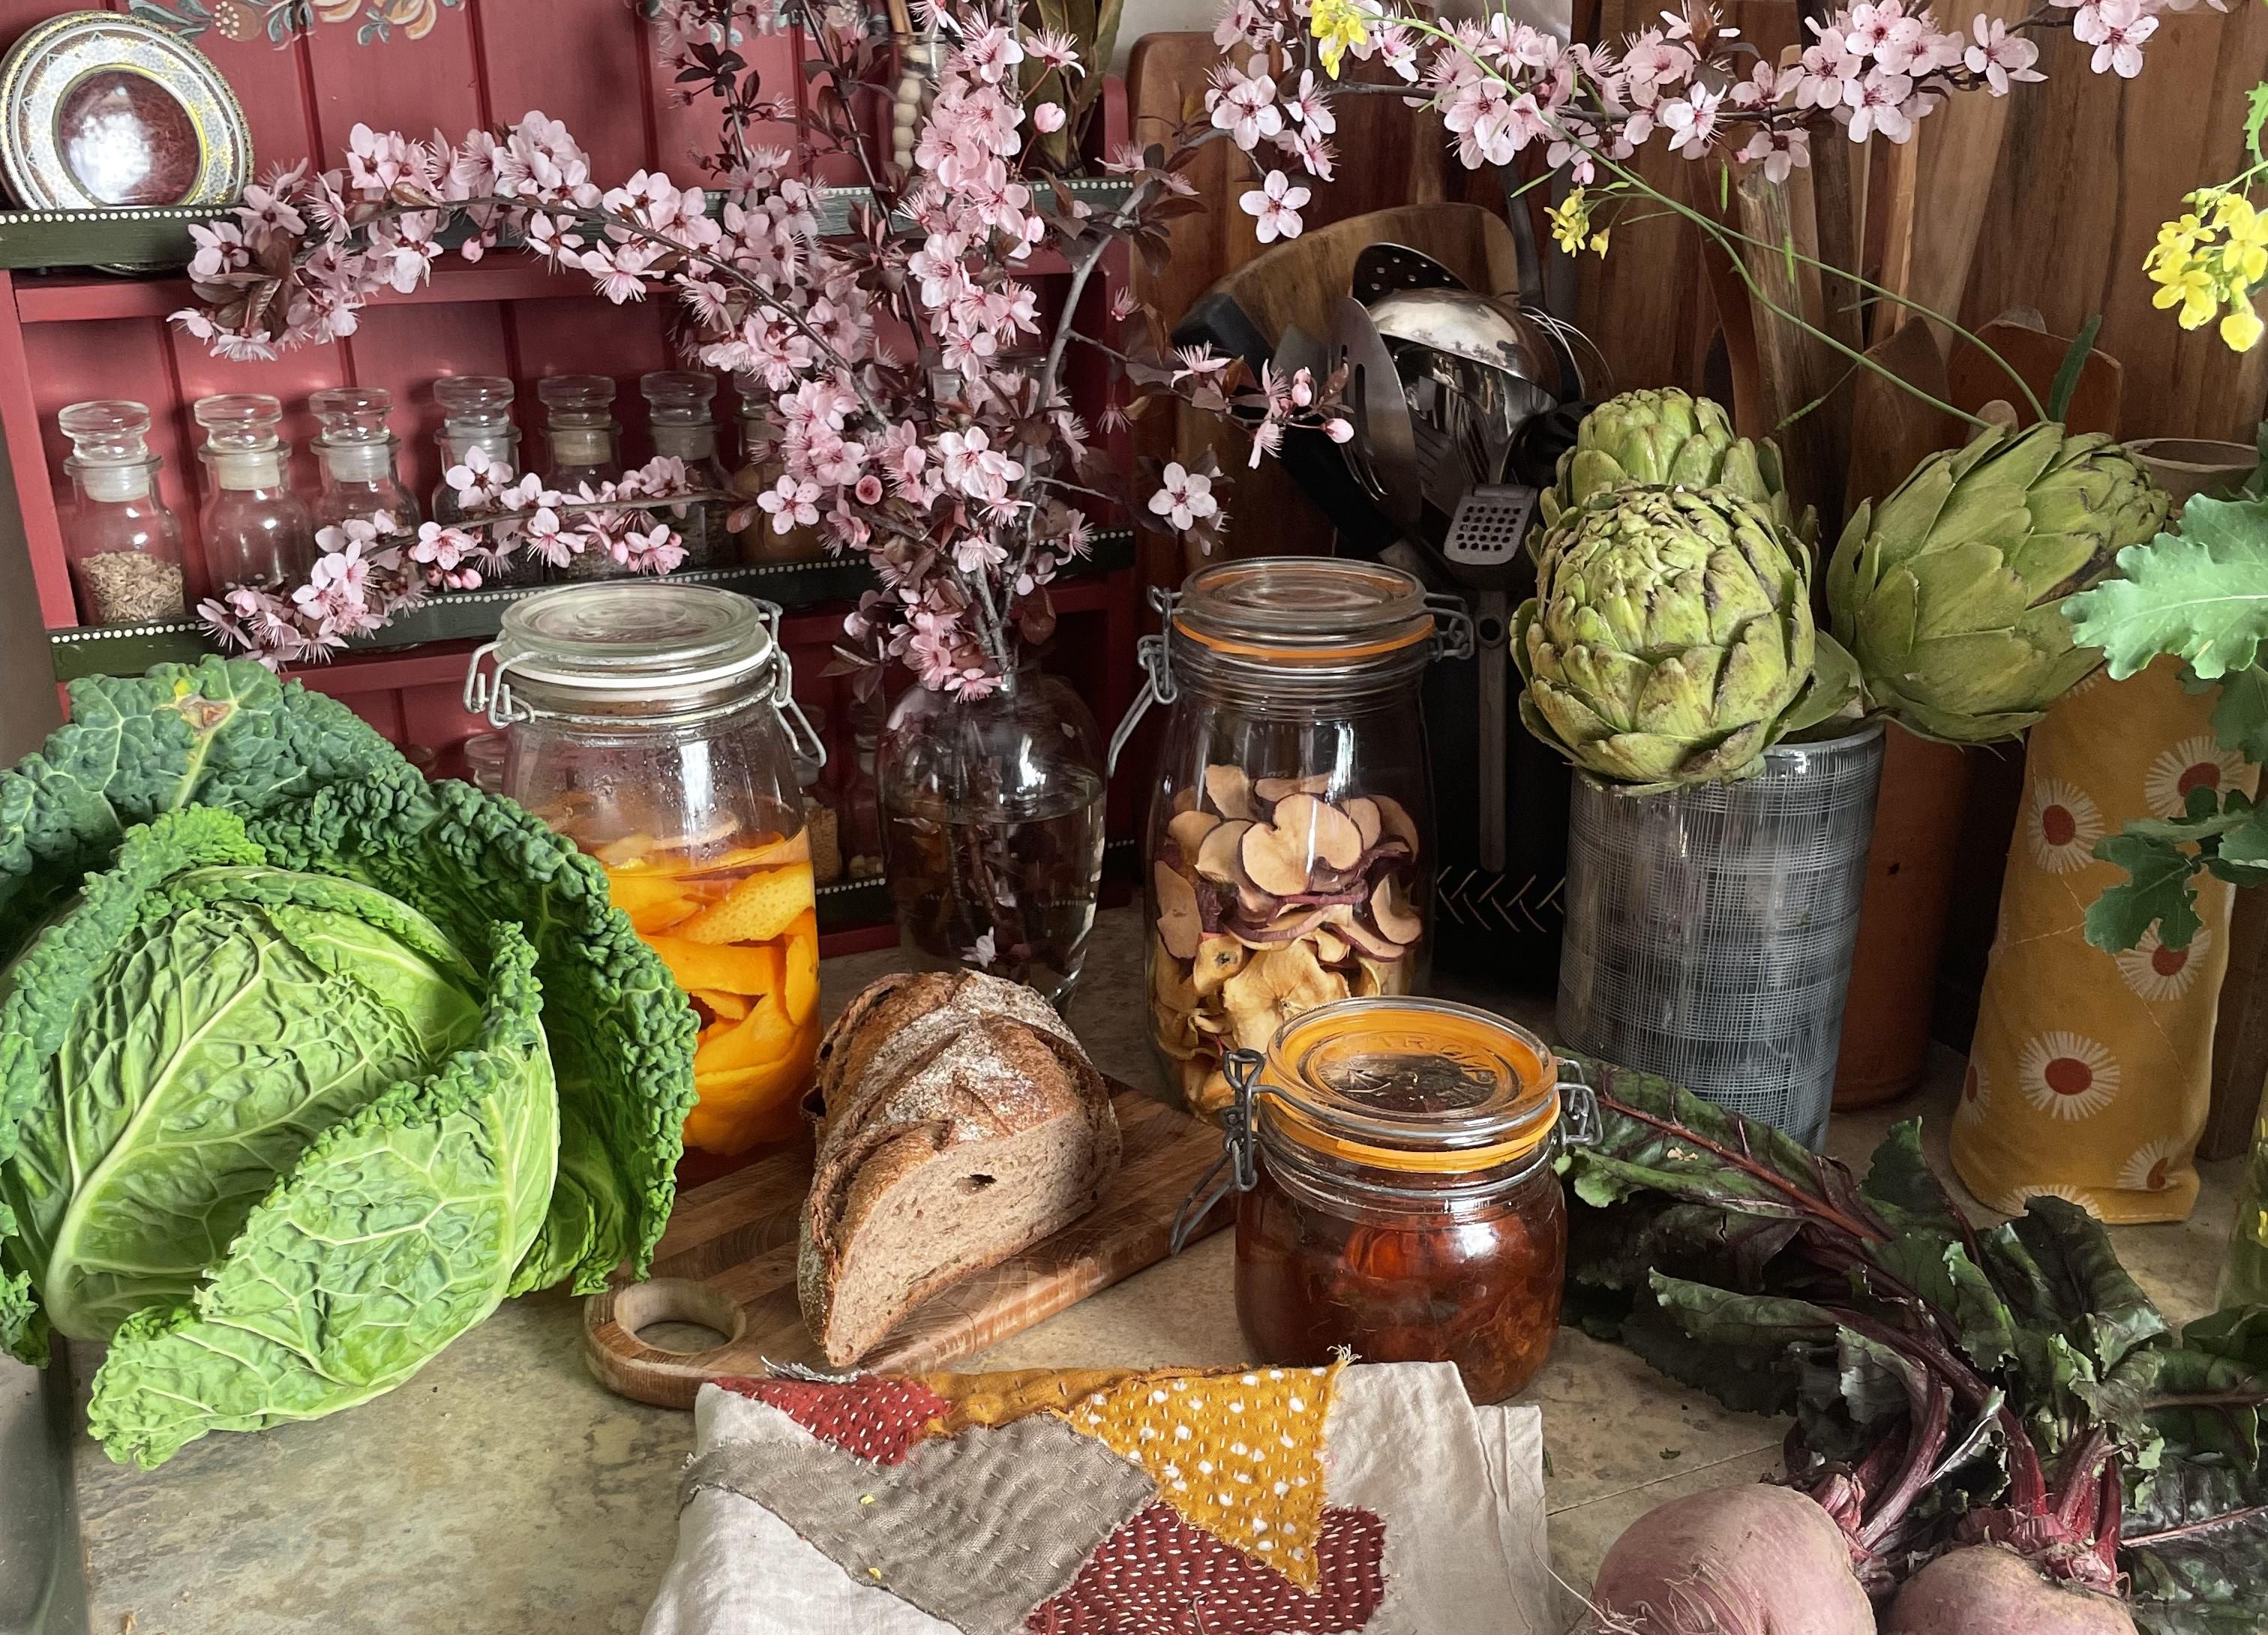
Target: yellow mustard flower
[[1338, 24], [2191, 287], [2245, 255], [2240, 329], [1571, 221]]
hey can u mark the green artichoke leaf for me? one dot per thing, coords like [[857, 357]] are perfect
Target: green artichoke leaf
[[1832, 692], [2200, 595], [398, 1229]]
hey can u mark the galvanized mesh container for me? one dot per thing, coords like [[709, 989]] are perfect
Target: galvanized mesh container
[[1710, 929]]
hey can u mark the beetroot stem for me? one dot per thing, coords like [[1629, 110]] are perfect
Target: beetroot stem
[[1742, 1161]]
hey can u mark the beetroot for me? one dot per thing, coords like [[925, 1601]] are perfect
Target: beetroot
[[1753, 1560], [1986, 1590]]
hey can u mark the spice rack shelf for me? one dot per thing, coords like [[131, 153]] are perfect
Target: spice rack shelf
[[474, 615], [159, 237]]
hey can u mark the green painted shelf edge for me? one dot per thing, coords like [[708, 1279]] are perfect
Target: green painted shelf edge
[[157, 239], [129, 649]]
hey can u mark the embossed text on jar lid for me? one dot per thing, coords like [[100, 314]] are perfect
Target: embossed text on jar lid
[[1411, 1084]]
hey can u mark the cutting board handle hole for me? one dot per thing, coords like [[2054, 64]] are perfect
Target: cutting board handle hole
[[679, 1315]]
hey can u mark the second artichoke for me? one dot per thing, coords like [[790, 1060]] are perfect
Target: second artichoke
[[1668, 437], [1670, 638], [1948, 591]]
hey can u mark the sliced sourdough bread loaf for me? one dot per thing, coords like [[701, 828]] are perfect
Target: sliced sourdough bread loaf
[[960, 1123]]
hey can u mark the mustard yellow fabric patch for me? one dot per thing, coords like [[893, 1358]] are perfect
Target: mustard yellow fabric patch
[[1239, 1454], [1002, 1398]]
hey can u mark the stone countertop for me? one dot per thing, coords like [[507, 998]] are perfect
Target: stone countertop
[[503, 1490]]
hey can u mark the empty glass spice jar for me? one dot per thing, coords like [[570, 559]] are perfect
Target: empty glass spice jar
[[357, 450], [123, 543], [254, 528], [578, 426], [677, 413], [653, 724], [1395, 1194], [1289, 847], [476, 419]]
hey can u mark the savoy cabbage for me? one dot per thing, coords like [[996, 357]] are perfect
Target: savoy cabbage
[[304, 994]]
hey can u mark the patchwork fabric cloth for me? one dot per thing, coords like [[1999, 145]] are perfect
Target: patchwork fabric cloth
[[2090, 1073], [1258, 1501]]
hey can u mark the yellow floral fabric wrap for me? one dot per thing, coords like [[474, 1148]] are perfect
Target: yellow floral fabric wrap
[[2090, 1072]]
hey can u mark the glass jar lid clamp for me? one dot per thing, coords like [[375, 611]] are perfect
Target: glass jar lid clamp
[[608, 646], [1228, 608]]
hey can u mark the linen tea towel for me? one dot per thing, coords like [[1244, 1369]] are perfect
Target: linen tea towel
[[1257, 1501]]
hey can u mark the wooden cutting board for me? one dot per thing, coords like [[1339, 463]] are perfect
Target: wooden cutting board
[[727, 1261]]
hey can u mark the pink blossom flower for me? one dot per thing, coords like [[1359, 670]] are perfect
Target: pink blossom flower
[[2116, 29], [1693, 121], [1274, 206], [1048, 118], [1186, 498], [2001, 56], [1781, 149], [1243, 104], [789, 502]]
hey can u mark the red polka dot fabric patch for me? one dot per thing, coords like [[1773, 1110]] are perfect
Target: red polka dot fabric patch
[[1158, 1575], [875, 1418]]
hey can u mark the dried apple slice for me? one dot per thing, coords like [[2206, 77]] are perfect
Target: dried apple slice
[[1375, 977], [1217, 858], [1395, 823], [1274, 859], [1279, 984], [1188, 830], [1178, 926], [1219, 956], [1363, 811], [1230, 790], [759, 908], [1272, 789], [1214, 1093], [1392, 913], [1374, 943], [1319, 829], [1329, 948]]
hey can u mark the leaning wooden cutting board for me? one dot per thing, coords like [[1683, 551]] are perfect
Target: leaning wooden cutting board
[[728, 1261]]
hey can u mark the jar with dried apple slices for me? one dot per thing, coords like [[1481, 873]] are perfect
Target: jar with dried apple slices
[[1288, 856], [654, 725]]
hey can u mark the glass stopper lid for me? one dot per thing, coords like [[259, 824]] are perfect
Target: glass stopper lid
[[1291, 609], [1411, 1084], [109, 431], [615, 639], [351, 414], [678, 395], [240, 422], [482, 399]]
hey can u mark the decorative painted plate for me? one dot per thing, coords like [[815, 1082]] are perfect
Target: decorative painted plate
[[101, 111]]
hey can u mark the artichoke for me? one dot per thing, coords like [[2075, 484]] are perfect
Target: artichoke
[[1670, 639], [1948, 591], [1670, 437]]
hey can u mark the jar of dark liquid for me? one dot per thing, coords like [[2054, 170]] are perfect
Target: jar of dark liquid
[[1396, 1194]]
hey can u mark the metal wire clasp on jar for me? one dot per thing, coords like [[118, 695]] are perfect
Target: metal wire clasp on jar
[[1396, 1192]]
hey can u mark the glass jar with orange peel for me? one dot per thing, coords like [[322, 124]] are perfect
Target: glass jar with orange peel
[[653, 725]]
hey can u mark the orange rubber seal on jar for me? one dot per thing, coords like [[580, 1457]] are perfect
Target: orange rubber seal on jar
[[1415, 1086], [1418, 630]]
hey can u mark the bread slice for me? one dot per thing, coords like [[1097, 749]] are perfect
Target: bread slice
[[961, 1124]]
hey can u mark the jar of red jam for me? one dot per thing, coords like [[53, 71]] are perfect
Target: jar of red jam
[[1392, 1158]]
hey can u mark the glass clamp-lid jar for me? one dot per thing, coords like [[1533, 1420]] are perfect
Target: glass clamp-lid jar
[[655, 726], [1289, 847], [1395, 1193]]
